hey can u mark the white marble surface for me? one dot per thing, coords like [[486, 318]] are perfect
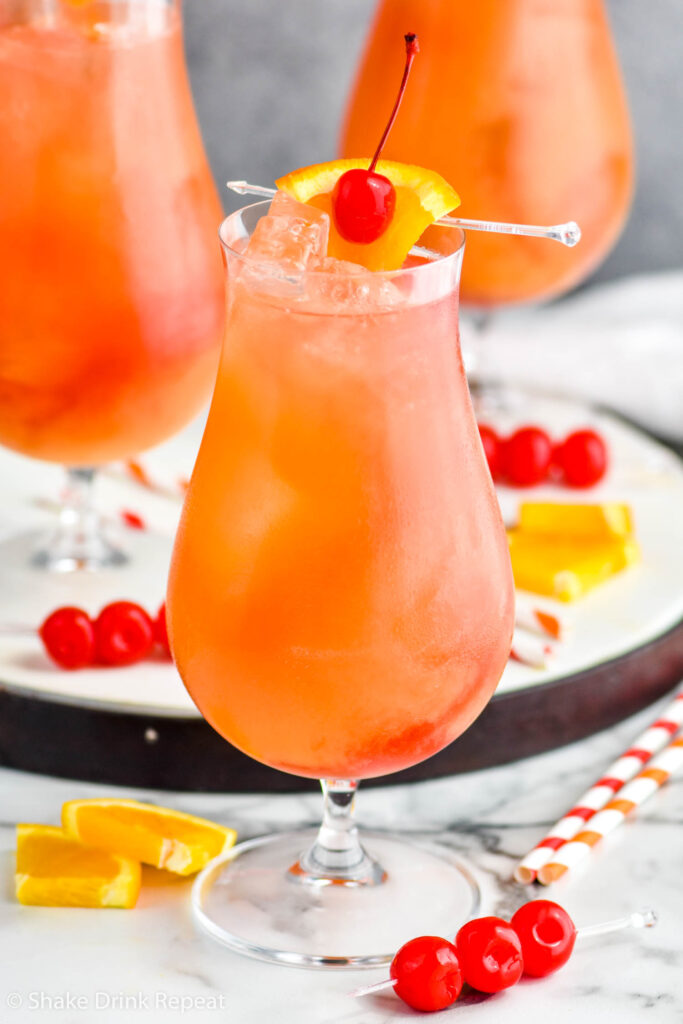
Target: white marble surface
[[153, 958]]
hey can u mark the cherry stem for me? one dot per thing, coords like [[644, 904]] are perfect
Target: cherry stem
[[412, 49]]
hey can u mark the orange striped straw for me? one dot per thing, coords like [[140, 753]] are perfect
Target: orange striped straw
[[135, 470], [530, 650], [625, 768], [634, 793], [528, 616]]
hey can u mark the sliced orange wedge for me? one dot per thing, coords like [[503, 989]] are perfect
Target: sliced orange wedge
[[422, 196], [154, 835], [55, 870]]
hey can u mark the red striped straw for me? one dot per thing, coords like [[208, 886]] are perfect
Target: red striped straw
[[528, 616], [655, 737], [142, 475], [634, 793], [529, 650]]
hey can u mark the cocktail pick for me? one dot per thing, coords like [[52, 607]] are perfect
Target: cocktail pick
[[568, 234], [646, 918]]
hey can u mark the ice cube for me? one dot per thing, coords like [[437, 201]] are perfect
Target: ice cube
[[284, 205], [345, 287], [291, 238]]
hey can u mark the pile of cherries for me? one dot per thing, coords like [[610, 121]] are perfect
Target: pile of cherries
[[489, 954], [122, 634], [529, 456]]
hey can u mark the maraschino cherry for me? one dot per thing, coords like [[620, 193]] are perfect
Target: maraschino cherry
[[124, 633], [69, 637], [426, 973], [490, 954], [582, 458], [547, 934], [363, 201]]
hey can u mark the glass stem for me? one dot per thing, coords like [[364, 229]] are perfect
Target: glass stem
[[337, 855], [78, 542], [77, 516]]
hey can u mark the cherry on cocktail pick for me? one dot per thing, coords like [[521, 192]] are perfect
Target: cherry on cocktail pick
[[363, 201], [68, 635], [547, 935], [426, 973], [122, 634], [490, 954]]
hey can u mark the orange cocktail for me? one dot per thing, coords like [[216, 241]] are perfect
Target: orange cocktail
[[521, 103], [111, 302], [340, 599]]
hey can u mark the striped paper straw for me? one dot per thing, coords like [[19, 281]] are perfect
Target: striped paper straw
[[527, 616], [621, 771], [142, 475], [529, 650], [634, 793]]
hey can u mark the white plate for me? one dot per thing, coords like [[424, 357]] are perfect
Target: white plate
[[623, 614]]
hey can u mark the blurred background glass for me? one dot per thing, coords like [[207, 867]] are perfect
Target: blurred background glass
[[112, 299], [525, 110], [293, 65], [291, 115]]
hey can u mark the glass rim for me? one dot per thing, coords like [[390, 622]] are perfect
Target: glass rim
[[418, 270]]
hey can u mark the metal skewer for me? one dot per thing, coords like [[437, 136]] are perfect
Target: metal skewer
[[568, 234]]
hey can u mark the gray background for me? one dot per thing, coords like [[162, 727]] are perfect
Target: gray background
[[270, 79]]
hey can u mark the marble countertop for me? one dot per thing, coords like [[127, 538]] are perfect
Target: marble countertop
[[151, 965]]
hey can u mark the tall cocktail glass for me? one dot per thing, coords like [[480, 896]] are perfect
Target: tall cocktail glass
[[520, 104], [111, 303], [340, 600]]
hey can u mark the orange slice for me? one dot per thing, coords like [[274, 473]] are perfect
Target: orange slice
[[54, 870], [422, 196], [566, 569], [158, 836], [606, 521]]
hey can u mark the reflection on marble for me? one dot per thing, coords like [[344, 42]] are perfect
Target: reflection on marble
[[151, 965]]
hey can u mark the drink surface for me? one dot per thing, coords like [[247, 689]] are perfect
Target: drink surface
[[112, 300], [340, 598], [520, 104]]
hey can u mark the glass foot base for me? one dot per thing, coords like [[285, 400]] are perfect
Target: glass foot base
[[95, 554], [28, 594], [251, 902]]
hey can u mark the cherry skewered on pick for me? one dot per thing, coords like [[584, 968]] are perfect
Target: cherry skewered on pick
[[490, 955], [68, 636], [122, 634], [426, 973], [547, 935]]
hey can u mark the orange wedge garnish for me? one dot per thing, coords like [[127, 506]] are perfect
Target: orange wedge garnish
[[422, 196], [55, 870], [154, 835]]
